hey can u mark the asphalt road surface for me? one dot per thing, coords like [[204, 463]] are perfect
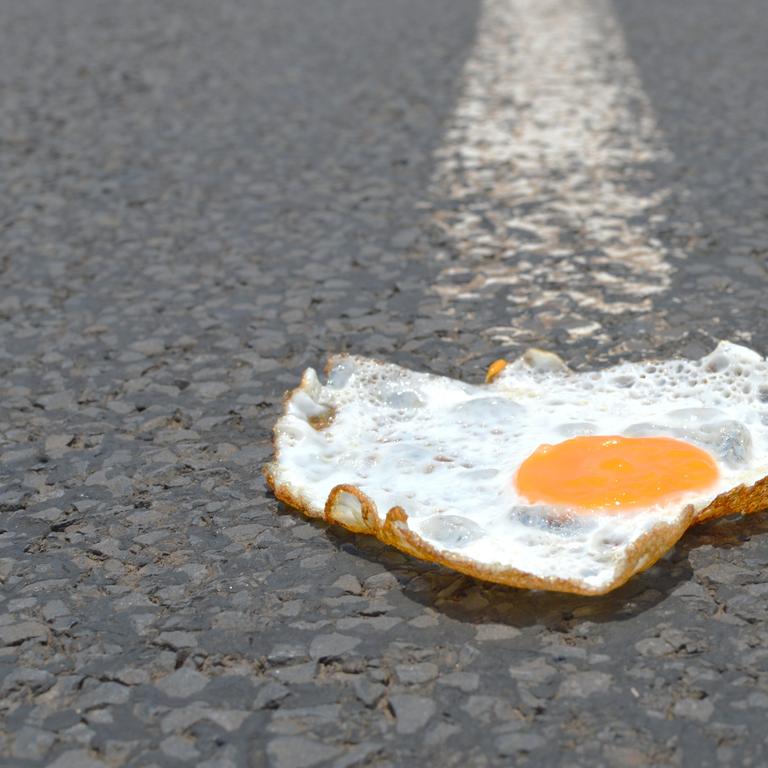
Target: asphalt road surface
[[200, 199]]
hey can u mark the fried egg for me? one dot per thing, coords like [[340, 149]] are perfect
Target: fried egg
[[540, 477]]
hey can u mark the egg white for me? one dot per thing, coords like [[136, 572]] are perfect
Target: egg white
[[447, 452]]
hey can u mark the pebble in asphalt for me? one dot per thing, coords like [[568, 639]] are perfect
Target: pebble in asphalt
[[201, 199]]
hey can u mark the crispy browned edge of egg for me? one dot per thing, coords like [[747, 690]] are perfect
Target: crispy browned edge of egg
[[394, 529]]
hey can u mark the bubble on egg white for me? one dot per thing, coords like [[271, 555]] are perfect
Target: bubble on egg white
[[549, 519], [405, 399], [608, 542], [408, 457], [717, 362], [487, 410], [340, 374], [577, 428], [624, 381], [397, 395], [730, 441], [646, 429], [485, 473], [695, 415], [452, 530]]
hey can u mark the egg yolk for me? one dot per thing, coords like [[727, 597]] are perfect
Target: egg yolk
[[614, 473]]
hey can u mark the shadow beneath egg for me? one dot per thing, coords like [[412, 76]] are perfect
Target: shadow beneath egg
[[728, 532], [469, 600]]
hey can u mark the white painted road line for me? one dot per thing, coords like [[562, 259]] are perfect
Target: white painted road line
[[549, 146]]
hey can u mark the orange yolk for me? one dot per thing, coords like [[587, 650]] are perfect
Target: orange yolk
[[596, 472]]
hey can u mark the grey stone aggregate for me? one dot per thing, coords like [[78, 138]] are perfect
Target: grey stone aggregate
[[197, 201]]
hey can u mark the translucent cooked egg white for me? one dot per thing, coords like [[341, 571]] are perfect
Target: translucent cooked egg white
[[430, 464]]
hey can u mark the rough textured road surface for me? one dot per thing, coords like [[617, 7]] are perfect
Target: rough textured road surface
[[197, 201]]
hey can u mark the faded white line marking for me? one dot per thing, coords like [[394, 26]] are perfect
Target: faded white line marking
[[550, 135]]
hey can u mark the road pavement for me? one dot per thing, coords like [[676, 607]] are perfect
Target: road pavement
[[197, 201]]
